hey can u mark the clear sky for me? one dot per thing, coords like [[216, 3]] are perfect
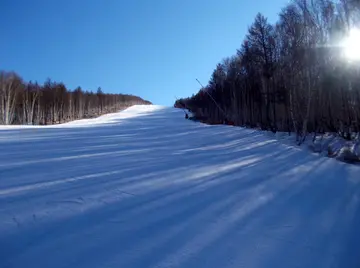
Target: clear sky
[[151, 48]]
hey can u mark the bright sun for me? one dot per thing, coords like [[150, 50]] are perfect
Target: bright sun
[[351, 45]]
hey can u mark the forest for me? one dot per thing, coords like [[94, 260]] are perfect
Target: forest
[[49, 103], [294, 75]]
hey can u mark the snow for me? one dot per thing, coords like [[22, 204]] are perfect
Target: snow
[[147, 188]]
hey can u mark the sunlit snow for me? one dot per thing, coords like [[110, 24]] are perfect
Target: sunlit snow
[[147, 188]]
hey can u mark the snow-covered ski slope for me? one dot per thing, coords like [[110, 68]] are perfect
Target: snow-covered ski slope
[[147, 188]]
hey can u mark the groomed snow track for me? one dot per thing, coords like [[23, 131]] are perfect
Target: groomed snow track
[[147, 188]]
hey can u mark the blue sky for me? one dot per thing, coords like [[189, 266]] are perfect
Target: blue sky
[[154, 49]]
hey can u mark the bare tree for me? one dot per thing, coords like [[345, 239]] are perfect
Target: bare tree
[[30, 97], [53, 103], [10, 85], [289, 76]]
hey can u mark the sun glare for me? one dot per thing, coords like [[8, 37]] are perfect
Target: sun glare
[[351, 45]]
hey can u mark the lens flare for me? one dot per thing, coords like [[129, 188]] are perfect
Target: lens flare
[[351, 45]]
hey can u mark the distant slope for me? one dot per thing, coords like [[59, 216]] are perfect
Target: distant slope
[[30, 103], [147, 188]]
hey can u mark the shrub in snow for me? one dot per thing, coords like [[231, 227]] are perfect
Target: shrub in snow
[[320, 144], [334, 146], [356, 148], [315, 147], [337, 147], [347, 154]]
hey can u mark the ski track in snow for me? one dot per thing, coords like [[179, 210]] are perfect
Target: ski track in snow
[[147, 188]]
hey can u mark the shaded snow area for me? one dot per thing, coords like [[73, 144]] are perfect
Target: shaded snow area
[[147, 188]]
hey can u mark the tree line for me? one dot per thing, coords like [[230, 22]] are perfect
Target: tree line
[[52, 103], [289, 76]]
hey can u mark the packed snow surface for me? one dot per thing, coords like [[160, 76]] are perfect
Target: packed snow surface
[[147, 188]]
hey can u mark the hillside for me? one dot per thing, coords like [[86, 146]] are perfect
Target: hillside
[[31, 103], [298, 73], [146, 188]]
